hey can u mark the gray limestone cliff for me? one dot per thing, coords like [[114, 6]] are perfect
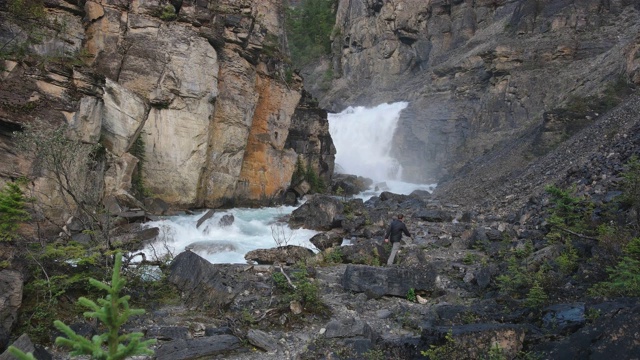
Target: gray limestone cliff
[[204, 85], [475, 73]]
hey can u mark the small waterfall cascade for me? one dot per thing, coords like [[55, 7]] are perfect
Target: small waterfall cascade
[[363, 139]]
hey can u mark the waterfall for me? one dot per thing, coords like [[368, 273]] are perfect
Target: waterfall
[[363, 138]]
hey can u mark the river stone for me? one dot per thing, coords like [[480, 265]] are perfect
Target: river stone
[[326, 240], [318, 213]]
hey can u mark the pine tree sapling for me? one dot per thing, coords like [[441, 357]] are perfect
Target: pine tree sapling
[[113, 311], [12, 211]]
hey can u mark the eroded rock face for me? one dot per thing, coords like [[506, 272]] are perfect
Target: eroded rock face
[[207, 110], [474, 73]]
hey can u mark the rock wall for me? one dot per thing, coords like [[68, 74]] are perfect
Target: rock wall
[[475, 73], [201, 84]]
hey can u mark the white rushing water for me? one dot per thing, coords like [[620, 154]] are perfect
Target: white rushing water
[[363, 139], [251, 229]]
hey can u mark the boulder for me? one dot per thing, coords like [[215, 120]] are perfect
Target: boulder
[[318, 213], [352, 333], [11, 284], [433, 215], [226, 220], [564, 318], [262, 340], [205, 347], [156, 206], [613, 335], [350, 184], [395, 281], [207, 285], [364, 252], [326, 240], [289, 255], [24, 343]]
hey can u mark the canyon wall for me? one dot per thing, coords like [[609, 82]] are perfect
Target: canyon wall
[[200, 89], [475, 73]]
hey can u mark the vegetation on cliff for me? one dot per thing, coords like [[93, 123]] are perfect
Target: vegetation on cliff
[[309, 26]]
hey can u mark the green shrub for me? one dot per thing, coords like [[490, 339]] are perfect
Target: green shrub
[[411, 295], [113, 312], [445, 351], [568, 260], [536, 296], [12, 211], [624, 278], [168, 13]]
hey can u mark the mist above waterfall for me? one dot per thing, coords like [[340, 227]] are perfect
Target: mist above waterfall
[[363, 139]]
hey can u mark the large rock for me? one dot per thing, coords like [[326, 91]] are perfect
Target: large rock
[[318, 213], [613, 335], [205, 347], [207, 285], [289, 254], [11, 284], [24, 343], [396, 281], [326, 240]]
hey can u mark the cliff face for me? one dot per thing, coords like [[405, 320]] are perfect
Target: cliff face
[[202, 84], [475, 73]]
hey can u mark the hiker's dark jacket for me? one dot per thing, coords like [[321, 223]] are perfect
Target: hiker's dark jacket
[[394, 233]]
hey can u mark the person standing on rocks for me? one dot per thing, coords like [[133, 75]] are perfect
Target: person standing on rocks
[[394, 233]]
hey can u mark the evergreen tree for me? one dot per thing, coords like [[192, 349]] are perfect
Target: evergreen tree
[[12, 210], [113, 312]]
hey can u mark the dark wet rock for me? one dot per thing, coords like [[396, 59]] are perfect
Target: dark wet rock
[[207, 285], [24, 343], [326, 240], [364, 252], [318, 213], [612, 335], [289, 255], [135, 233], [564, 318], [396, 281], [212, 247], [350, 184], [262, 340], [133, 215], [156, 206], [205, 347], [4, 338], [389, 196], [11, 285], [483, 276], [433, 215], [226, 220], [421, 194], [208, 215]]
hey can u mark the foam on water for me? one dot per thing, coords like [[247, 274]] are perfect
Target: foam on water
[[251, 229]]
